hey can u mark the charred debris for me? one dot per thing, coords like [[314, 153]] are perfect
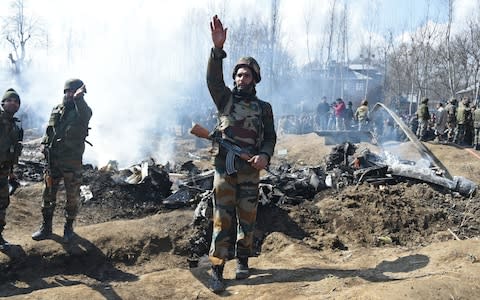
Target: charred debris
[[159, 186]]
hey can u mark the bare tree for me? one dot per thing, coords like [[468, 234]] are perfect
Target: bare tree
[[20, 30], [274, 40], [450, 61], [307, 18], [473, 53], [331, 31]]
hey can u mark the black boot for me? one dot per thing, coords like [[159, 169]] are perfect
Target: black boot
[[45, 230], [3, 243], [68, 233], [216, 281], [242, 270]]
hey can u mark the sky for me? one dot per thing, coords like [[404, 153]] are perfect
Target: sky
[[135, 56]]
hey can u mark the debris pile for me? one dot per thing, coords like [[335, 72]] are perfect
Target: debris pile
[[133, 192]]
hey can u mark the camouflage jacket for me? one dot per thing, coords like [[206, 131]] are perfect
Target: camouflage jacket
[[67, 130], [451, 110], [11, 135], [461, 114], [423, 113], [248, 122]]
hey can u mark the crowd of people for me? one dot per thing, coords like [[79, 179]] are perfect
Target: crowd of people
[[334, 116], [456, 122]]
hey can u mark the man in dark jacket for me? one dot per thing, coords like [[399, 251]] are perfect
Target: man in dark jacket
[[11, 135], [247, 122], [323, 109], [64, 144]]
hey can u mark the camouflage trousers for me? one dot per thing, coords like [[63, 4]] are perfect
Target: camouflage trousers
[[459, 134], [422, 129], [476, 140], [4, 195], [71, 173], [235, 203]]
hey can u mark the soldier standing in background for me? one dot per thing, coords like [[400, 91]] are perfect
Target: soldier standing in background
[[64, 144], [451, 110], [423, 117], [440, 122], [468, 139], [247, 122], [460, 128], [11, 136], [476, 126]]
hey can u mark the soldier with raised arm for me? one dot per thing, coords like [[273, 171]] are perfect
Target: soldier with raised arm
[[64, 144], [246, 121]]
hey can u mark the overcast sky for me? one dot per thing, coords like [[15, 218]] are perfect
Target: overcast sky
[[378, 16]]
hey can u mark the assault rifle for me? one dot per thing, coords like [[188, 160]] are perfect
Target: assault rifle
[[232, 149], [13, 185], [48, 168], [47, 151]]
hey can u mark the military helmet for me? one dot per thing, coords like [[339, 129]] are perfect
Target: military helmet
[[10, 93], [72, 84], [250, 63]]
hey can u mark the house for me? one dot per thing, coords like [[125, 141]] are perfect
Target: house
[[352, 82]]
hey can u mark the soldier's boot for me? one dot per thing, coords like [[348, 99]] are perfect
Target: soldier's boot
[[3, 243], [216, 280], [45, 230], [68, 233], [242, 271]]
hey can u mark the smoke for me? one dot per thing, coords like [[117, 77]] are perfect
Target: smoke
[[135, 67], [143, 63]]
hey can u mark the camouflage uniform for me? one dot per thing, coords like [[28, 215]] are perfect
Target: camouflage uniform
[[64, 141], [248, 122], [451, 110], [423, 118], [476, 126], [460, 128], [11, 135]]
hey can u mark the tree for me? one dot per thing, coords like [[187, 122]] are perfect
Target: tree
[[20, 30]]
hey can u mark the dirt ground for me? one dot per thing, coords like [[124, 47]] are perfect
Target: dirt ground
[[403, 241]]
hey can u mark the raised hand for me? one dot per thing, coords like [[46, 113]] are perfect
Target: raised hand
[[219, 34], [80, 92]]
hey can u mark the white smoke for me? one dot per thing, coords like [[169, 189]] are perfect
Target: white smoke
[[138, 59]]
